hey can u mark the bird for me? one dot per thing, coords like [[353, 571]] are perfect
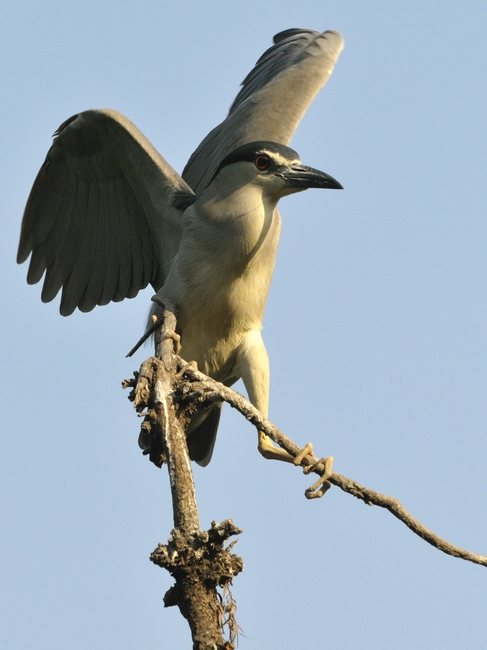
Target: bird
[[107, 215]]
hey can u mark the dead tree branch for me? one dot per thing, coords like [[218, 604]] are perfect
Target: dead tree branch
[[198, 560], [202, 390], [167, 391]]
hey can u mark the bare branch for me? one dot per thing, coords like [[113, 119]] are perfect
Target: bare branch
[[197, 560], [185, 510], [199, 564], [204, 389], [167, 391]]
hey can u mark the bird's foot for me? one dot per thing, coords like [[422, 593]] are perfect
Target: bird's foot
[[191, 364], [176, 341], [270, 451], [307, 449], [322, 485]]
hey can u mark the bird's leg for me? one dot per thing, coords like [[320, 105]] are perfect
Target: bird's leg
[[268, 449], [254, 369], [189, 364], [168, 335], [176, 341], [157, 319]]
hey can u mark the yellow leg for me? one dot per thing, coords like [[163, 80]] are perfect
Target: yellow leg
[[270, 451]]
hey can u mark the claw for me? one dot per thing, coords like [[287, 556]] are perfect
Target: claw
[[307, 449], [190, 364], [314, 493], [327, 464], [322, 485], [176, 339]]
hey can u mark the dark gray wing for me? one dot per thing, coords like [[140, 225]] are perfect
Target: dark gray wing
[[274, 97], [100, 220]]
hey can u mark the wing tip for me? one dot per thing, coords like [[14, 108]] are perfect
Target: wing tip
[[23, 252]]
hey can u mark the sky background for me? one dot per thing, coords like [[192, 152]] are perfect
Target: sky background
[[376, 327]]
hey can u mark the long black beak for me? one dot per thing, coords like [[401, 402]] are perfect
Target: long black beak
[[302, 177]]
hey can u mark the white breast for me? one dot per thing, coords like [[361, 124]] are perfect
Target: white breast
[[220, 279]]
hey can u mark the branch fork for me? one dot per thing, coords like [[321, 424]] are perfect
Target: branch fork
[[166, 392]]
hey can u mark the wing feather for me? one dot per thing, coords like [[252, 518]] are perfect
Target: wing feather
[[274, 97], [79, 254], [65, 241], [97, 266], [125, 269], [100, 221], [113, 251]]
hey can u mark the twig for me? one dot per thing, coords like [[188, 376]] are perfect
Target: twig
[[167, 391], [209, 390]]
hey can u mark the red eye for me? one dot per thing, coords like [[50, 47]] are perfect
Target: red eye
[[262, 162]]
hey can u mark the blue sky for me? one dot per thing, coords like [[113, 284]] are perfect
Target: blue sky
[[376, 328]]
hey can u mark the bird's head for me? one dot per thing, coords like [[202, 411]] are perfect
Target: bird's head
[[271, 167]]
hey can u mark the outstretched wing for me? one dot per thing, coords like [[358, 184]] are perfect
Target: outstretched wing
[[274, 97], [100, 219]]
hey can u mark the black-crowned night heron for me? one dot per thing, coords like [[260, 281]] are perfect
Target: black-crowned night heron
[[107, 216]]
